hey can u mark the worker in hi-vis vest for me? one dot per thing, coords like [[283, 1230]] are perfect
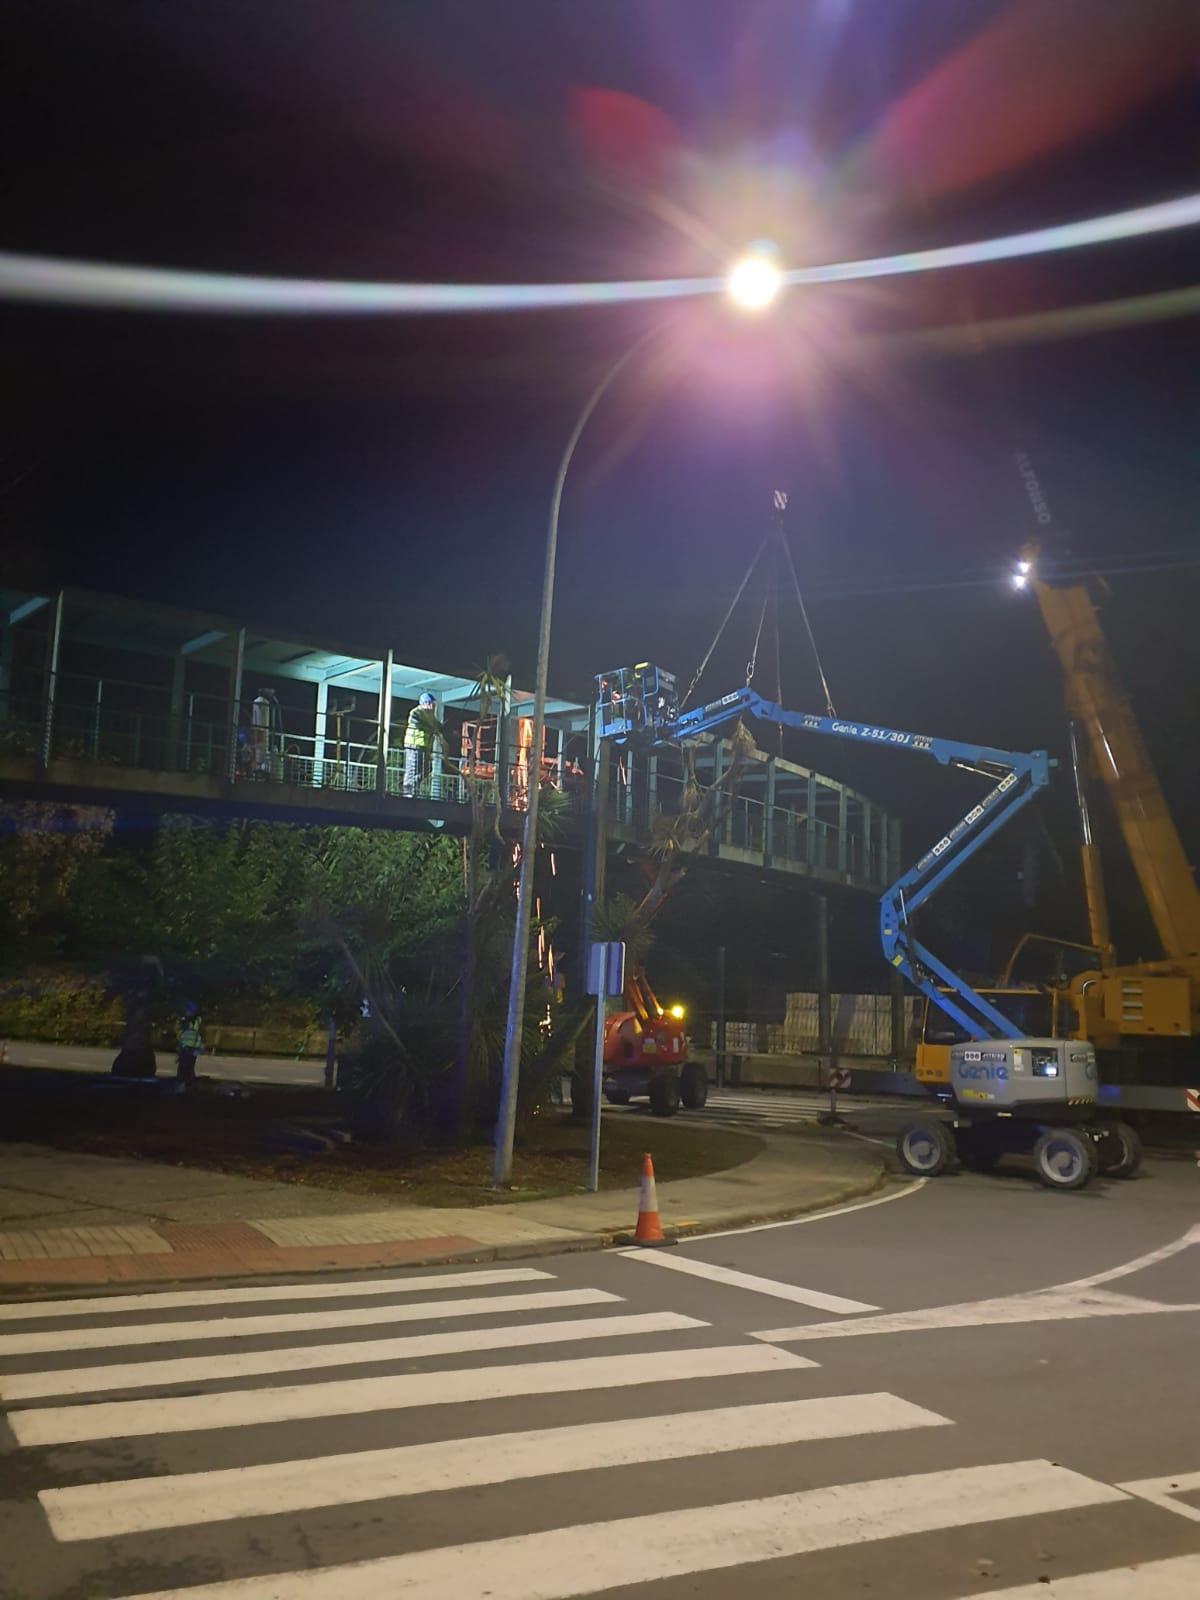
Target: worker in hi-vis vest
[[419, 733], [189, 1045]]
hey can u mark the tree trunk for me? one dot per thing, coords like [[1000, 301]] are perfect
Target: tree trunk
[[136, 1057]]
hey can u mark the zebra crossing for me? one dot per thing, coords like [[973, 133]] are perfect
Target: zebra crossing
[[761, 1109], [200, 1432]]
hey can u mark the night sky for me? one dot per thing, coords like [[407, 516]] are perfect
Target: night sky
[[387, 480]]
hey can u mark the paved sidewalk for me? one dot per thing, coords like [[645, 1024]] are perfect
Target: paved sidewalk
[[68, 1218]]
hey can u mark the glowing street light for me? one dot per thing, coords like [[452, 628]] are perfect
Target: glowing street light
[[753, 282]]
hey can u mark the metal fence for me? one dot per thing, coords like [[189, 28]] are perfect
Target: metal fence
[[746, 823], [860, 1025], [117, 723]]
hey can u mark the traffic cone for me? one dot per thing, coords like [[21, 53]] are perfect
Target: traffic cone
[[649, 1230]]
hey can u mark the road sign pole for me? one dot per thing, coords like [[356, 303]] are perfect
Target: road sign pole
[[606, 975], [839, 1078], [597, 1091]]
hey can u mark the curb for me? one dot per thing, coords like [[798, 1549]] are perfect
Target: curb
[[575, 1244]]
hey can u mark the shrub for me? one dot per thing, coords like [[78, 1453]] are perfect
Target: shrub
[[64, 1009]]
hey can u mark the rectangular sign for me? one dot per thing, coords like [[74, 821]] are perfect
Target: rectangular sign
[[606, 968]]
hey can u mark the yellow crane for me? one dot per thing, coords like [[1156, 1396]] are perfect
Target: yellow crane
[[1146, 1012], [1144, 1016]]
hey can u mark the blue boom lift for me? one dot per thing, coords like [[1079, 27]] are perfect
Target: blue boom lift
[[1016, 1095]]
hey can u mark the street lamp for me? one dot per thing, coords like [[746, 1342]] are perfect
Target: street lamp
[[752, 283]]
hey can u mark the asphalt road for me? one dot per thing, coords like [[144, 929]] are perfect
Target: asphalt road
[[308, 1072], [961, 1388], [778, 1109]]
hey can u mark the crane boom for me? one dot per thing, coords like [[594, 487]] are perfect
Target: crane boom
[[637, 705], [1095, 699]]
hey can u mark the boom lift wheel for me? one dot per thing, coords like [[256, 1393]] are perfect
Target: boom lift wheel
[[664, 1094], [616, 1097], [926, 1148], [1119, 1150], [693, 1086], [1065, 1158]]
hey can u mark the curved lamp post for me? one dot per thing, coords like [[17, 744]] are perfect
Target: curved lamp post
[[753, 283]]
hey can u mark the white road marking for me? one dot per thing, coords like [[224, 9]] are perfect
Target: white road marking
[[592, 1557], [779, 1111], [870, 1138], [1162, 1492], [313, 1357], [1177, 1578], [244, 1408], [748, 1281], [823, 1216], [1042, 1305], [21, 1344], [102, 1305], [107, 1510], [1138, 1264]]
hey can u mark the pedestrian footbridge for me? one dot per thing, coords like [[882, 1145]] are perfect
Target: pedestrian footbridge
[[120, 703]]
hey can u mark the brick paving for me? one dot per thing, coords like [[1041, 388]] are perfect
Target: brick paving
[[215, 1261], [180, 1225]]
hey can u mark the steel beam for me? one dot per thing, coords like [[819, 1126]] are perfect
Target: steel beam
[[843, 822], [824, 999], [769, 817], [320, 724], [236, 668], [50, 686], [385, 724]]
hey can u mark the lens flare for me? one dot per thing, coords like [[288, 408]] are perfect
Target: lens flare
[[50, 279]]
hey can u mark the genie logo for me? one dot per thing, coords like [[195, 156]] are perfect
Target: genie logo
[[968, 1069]]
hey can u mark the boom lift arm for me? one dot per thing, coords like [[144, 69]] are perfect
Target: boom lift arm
[[637, 705]]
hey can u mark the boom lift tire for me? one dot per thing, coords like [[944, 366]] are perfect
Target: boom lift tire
[[1119, 1150], [693, 1086], [664, 1094], [616, 1097], [926, 1148], [1065, 1158]]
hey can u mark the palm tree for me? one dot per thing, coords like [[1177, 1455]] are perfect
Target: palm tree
[[675, 842], [485, 869]]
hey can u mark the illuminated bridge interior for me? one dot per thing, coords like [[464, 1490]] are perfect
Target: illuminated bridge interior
[[111, 701]]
